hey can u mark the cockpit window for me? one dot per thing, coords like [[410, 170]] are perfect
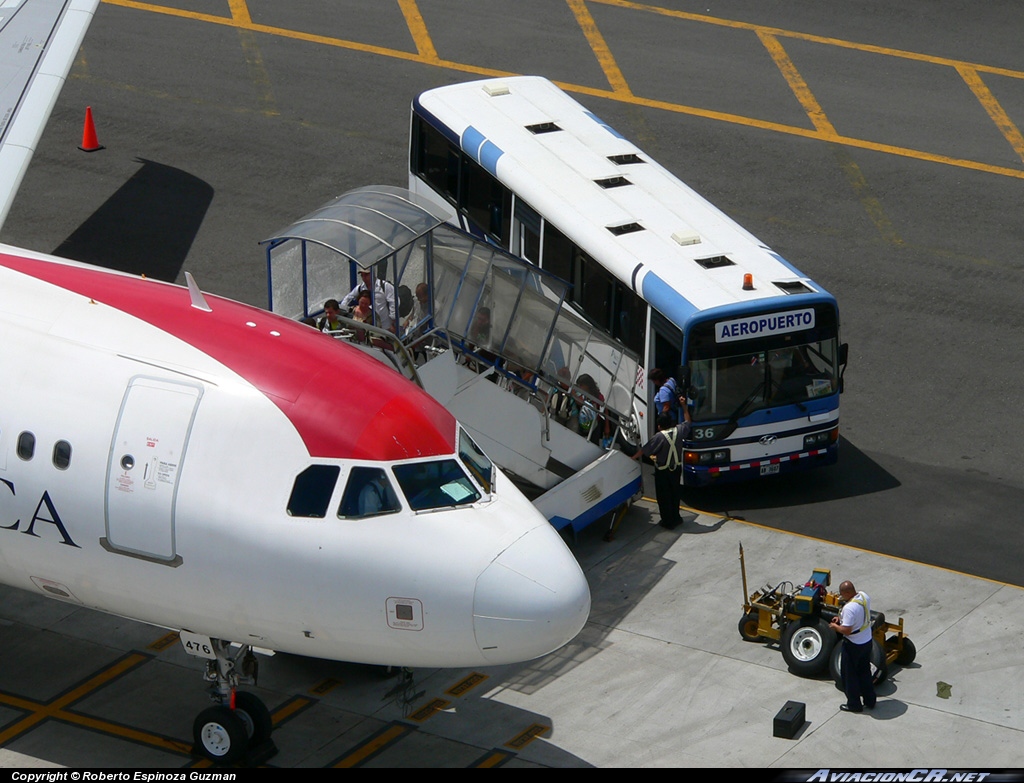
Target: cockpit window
[[311, 493], [476, 461], [368, 493], [439, 484]]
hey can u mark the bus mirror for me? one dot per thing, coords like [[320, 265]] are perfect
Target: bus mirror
[[844, 352], [683, 377]]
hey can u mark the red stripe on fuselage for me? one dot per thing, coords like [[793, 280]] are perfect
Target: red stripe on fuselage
[[344, 404]]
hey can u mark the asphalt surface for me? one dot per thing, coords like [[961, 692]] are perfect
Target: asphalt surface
[[659, 677], [876, 146]]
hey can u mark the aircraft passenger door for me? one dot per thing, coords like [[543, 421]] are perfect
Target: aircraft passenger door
[[146, 457]]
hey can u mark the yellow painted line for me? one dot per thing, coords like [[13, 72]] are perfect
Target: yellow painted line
[[325, 686], [418, 30], [994, 108], [290, 709], [817, 540], [493, 759], [600, 48], [868, 200], [258, 74], [807, 133], [429, 710], [847, 164], [524, 738], [299, 36], [820, 39], [57, 710], [165, 641], [797, 85], [125, 732], [240, 11], [374, 745], [466, 684], [629, 98]]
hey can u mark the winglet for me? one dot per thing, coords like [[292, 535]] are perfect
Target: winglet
[[198, 300]]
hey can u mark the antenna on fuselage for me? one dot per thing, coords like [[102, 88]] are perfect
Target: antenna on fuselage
[[198, 300]]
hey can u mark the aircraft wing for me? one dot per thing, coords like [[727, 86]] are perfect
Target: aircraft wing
[[38, 43]]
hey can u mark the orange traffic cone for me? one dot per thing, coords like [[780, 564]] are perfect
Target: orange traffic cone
[[89, 141]]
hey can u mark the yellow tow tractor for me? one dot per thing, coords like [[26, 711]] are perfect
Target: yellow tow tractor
[[798, 617]]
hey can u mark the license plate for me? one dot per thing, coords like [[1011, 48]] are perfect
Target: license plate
[[768, 470]]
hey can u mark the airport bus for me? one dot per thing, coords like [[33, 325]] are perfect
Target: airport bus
[[753, 341]]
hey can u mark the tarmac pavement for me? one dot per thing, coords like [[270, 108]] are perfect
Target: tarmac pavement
[[658, 678]]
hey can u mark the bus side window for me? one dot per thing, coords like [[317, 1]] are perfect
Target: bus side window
[[631, 321], [436, 160], [558, 252], [486, 201], [368, 493]]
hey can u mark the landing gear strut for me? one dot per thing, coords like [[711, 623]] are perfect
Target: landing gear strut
[[238, 726]]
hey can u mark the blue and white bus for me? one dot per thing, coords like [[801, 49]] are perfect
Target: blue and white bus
[[753, 340]]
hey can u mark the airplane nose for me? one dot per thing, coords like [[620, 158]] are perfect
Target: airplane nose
[[531, 600]]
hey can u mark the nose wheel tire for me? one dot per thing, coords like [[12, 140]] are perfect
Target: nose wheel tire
[[807, 645], [255, 717], [220, 735]]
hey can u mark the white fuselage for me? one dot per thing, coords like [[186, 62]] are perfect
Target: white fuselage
[[187, 430]]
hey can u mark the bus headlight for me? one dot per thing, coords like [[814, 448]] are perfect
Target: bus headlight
[[821, 439], [704, 458]]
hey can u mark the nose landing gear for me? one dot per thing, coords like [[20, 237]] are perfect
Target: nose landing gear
[[238, 726]]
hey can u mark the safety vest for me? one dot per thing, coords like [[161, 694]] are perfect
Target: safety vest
[[673, 460], [862, 600]]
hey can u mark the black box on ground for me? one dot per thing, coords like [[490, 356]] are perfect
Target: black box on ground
[[789, 719]]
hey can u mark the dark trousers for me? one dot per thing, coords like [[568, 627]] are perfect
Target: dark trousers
[[856, 666], [666, 489]]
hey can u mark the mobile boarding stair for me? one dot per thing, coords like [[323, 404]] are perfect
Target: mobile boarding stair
[[496, 344]]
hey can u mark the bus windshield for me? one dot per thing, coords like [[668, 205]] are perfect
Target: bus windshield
[[730, 387]]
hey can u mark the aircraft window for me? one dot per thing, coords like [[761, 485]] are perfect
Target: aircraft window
[[476, 461], [368, 494], [311, 493], [61, 455], [438, 484], [26, 445]]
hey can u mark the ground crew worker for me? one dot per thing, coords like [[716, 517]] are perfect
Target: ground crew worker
[[665, 451], [854, 624]]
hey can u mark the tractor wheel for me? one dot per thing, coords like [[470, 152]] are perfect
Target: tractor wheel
[[879, 666], [908, 654], [748, 627], [807, 645]]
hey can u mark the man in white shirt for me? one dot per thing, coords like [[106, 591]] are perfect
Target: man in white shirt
[[854, 624], [383, 299]]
